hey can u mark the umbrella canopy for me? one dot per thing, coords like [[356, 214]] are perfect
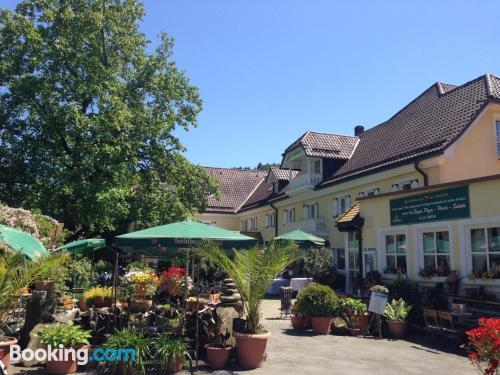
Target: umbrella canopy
[[83, 246], [301, 238], [183, 234], [22, 241]]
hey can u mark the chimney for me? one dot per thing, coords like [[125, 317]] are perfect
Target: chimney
[[358, 130]]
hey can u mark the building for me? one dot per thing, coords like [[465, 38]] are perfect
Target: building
[[417, 194]]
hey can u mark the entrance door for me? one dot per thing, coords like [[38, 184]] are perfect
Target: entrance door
[[368, 261], [352, 279]]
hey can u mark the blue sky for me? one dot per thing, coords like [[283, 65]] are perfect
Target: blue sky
[[269, 70]]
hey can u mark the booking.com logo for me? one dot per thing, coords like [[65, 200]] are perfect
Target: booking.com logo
[[64, 354]]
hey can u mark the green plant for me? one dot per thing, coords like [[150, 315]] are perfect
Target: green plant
[[98, 292], [17, 273], [317, 300], [318, 263], [353, 306], [69, 336], [397, 310], [379, 289], [167, 348], [252, 270], [133, 339]]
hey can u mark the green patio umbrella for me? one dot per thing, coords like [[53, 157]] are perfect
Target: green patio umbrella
[[83, 246], [301, 238], [22, 241], [183, 234]]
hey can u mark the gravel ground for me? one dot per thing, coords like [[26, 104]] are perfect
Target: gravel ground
[[290, 352]]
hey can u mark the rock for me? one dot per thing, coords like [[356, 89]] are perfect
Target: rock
[[229, 286], [230, 299], [66, 316], [339, 322], [228, 292], [34, 343], [227, 281]]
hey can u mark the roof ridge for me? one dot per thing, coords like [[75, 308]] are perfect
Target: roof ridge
[[233, 169], [336, 134], [251, 193]]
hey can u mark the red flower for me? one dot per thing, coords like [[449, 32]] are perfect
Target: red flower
[[485, 340], [171, 279]]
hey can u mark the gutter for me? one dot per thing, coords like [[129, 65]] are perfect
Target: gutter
[[420, 170], [276, 216]]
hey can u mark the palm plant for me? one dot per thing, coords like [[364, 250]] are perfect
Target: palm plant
[[397, 310], [129, 339], [168, 348], [252, 270], [17, 273]]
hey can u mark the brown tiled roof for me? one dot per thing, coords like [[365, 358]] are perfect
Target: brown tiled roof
[[236, 186], [350, 214], [283, 174], [427, 125], [263, 192], [324, 145]]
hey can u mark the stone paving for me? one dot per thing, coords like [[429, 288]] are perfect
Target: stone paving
[[293, 353]]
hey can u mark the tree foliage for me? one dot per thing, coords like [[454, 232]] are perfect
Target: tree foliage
[[88, 114]]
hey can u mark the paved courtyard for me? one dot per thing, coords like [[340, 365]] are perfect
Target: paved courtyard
[[293, 353]]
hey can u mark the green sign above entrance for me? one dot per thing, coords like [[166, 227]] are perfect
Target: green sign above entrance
[[434, 206]]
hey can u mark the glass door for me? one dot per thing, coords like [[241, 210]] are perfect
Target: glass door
[[352, 278], [368, 261]]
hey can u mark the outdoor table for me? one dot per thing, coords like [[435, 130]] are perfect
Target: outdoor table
[[297, 283], [275, 287]]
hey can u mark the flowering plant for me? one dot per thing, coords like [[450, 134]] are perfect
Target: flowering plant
[[485, 341], [145, 281], [173, 279]]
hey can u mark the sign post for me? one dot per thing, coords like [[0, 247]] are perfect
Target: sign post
[[377, 308]]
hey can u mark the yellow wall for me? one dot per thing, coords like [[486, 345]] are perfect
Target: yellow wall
[[267, 233], [228, 221]]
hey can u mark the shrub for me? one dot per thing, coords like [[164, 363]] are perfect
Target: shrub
[[130, 339], [98, 292], [318, 263], [317, 300], [353, 306], [485, 341]]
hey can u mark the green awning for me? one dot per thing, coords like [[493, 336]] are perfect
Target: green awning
[[301, 238], [183, 234], [83, 246], [22, 241]]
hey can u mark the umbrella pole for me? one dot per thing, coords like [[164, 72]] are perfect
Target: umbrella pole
[[114, 292]]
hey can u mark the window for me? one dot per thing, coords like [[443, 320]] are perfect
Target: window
[[276, 186], [436, 252], [339, 259], [395, 253], [270, 220], [340, 205], [405, 185], [317, 166], [311, 211], [485, 250], [497, 131], [243, 225], [289, 215]]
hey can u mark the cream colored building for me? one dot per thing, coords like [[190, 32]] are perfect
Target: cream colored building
[[393, 187]]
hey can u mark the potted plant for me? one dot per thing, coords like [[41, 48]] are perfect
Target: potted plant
[[320, 303], [297, 317], [70, 336], [252, 271], [396, 313], [16, 274], [144, 283], [129, 339], [355, 311], [218, 350], [483, 340], [170, 351], [98, 297]]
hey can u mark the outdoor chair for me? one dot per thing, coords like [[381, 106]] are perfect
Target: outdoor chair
[[448, 327], [432, 327], [286, 301]]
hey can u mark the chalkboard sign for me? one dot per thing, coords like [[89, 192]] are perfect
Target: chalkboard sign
[[434, 206], [377, 303]]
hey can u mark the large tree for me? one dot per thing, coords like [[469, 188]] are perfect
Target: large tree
[[87, 117]]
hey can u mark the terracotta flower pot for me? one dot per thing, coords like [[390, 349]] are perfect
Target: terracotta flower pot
[[141, 305], [141, 290], [307, 322], [175, 366], [354, 331], [397, 329], [5, 343], [217, 357], [61, 367], [297, 322], [100, 302], [90, 351], [82, 305], [362, 323], [321, 324], [251, 348]]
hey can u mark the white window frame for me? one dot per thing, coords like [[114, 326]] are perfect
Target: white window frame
[[418, 245], [387, 231], [346, 198], [370, 192], [398, 185], [289, 215], [311, 213], [465, 227], [314, 166]]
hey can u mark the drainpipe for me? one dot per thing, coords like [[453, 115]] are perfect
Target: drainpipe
[[424, 175], [276, 216], [360, 257]]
